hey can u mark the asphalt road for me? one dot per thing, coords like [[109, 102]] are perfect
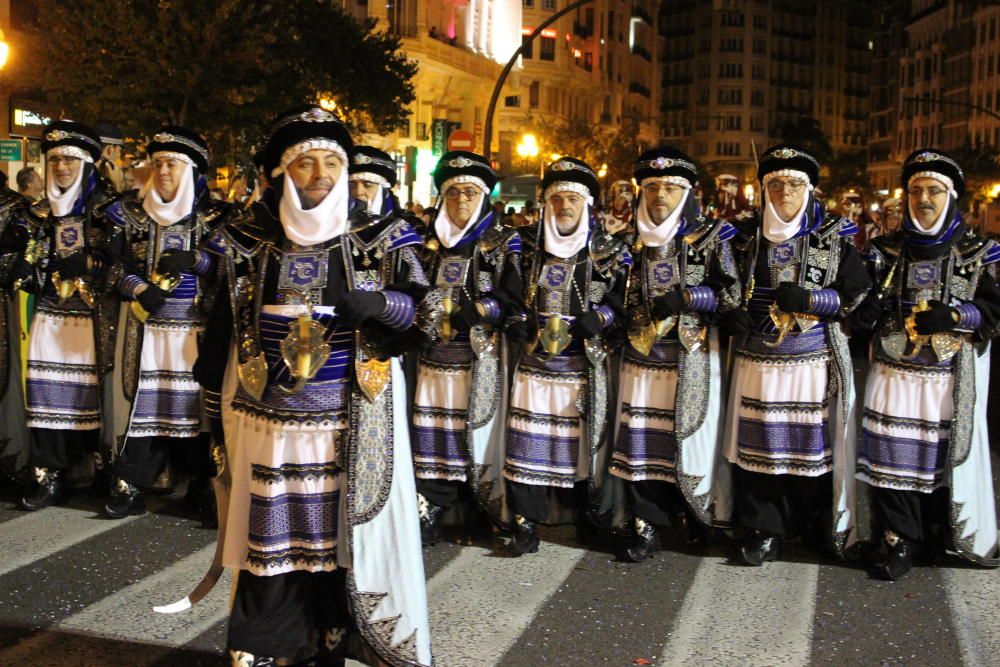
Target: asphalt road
[[76, 589]]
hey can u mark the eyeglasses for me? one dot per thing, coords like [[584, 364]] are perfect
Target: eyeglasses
[[670, 189], [932, 192], [455, 193], [779, 185]]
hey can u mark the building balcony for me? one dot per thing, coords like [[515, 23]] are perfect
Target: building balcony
[[639, 89], [582, 30], [426, 48], [637, 50]]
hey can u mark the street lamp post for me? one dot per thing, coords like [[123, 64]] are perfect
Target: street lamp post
[[491, 110]]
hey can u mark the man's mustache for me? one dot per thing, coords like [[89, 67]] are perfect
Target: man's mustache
[[566, 213]]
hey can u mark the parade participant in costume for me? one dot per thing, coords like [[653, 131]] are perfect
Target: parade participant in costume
[[575, 279], [322, 522], [667, 447], [892, 216], [373, 176], [462, 378], [730, 203], [14, 440], [924, 446], [72, 330], [790, 426], [112, 142], [156, 236], [618, 218]]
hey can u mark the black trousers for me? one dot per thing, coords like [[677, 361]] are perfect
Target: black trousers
[[533, 501], [918, 517], [440, 492], [657, 502], [284, 615], [784, 505], [143, 459], [58, 449]]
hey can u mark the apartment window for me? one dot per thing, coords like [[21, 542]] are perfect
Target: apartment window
[[701, 123], [533, 95], [421, 131], [733, 123], [529, 47], [757, 71], [512, 101], [703, 96], [528, 3], [731, 70], [731, 45], [549, 5], [757, 123], [760, 47], [701, 148], [757, 98], [733, 19], [547, 51], [760, 22], [727, 148], [705, 45], [730, 96]]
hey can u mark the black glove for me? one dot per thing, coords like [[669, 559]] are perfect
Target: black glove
[[467, 317], [940, 318], [357, 306], [736, 323], [176, 262], [521, 332], [867, 315], [665, 305], [791, 298], [587, 325], [152, 299], [21, 270], [70, 267]]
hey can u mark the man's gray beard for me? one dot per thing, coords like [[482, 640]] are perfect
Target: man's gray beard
[[306, 205], [567, 228]]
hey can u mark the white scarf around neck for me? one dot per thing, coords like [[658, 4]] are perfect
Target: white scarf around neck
[[568, 245], [375, 206], [319, 224], [166, 213], [447, 232], [777, 230], [655, 235], [935, 229], [62, 201]]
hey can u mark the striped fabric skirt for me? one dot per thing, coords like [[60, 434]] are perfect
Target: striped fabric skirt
[[783, 402], [168, 400], [545, 428], [645, 448], [907, 423], [440, 411], [62, 389], [286, 459]]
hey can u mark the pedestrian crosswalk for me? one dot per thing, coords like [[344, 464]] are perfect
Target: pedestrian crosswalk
[[76, 589]]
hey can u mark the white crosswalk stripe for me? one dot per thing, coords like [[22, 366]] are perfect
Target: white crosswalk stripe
[[767, 613], [40, 534], [481, 603]]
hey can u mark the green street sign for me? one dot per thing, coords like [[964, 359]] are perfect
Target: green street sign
[[10, 150]]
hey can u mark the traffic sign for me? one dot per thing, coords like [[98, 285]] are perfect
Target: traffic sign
[[11, 150], [461, 140]]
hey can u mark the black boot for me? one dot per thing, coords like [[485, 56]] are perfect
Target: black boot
[[647, 542], [525, 538], [430, 518], [244, 659], [758, 547], [332, 648], [695, 533], [199, 502], [897, 562], [126, 501], [51, 490]]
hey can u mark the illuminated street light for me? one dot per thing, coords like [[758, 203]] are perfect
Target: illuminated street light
[[4, 49], [528, 146], [603, 171], [748, 192], [328, 103]]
